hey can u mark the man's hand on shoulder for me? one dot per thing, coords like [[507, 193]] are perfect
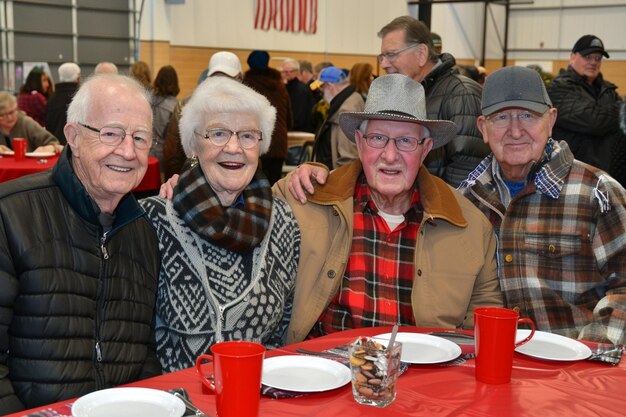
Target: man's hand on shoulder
[[302, 180], [167, 188]]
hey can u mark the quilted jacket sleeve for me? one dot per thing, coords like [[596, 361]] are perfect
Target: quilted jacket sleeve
[[9, 402]]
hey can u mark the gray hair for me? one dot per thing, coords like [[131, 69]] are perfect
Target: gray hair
[[7, 100], [80, 107], [295, 65], [415, 32], [69, 73], [224, 95], [363, 128]]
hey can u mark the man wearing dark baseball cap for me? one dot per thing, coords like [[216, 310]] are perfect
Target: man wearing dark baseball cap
[[587, 103], [561, 223]]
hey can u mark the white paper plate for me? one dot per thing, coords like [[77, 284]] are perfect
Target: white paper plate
[[128, 402], [39, 154], [7, 153], [304, 373], [423, 348], [552, 346]]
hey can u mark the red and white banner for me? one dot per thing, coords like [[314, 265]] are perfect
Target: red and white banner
[[286, 15]]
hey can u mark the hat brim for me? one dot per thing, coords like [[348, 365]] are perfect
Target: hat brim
[[316, 84], [225, 69], [522, 104], [592, 50], [441, 131]]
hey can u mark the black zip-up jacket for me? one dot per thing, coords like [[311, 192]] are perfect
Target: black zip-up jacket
[[587, 117], [76, 304], [451, 96]]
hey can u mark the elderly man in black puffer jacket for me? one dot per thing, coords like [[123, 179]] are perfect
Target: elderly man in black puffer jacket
[[407, 49], [588, 105], [78, 260]]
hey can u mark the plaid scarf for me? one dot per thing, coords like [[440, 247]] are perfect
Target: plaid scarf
[[239, 229]]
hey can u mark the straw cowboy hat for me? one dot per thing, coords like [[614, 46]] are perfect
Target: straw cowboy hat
[[399, 98]]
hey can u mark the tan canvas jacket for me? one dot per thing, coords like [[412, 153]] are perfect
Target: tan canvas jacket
[[455, 262]]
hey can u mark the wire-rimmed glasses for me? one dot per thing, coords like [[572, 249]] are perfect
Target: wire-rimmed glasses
[[220, 137], [505, 118], [391, 56], [403, 143], [113, 136]]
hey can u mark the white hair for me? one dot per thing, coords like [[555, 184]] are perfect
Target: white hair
[[224, 95], [69, 73]]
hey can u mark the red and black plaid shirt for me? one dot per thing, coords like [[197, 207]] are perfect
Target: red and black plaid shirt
[[377, 284], [34, 105]]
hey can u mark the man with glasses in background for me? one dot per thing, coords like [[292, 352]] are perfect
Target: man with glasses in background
[[588, 107], [561, 223], [407, 48], [383, 240], [78, 260]]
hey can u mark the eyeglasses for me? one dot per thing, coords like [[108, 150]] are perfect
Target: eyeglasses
[[403, 143], [504, 119], [391, 56], [288, 71], [113, 136], [220, 137], [8, 113], [592, 57]]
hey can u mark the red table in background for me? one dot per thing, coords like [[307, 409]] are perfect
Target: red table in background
[[538, 388], [11, 169]]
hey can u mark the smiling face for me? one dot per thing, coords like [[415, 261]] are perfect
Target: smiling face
[[110, 172], [229, 168], [516, 146], [391, 173]]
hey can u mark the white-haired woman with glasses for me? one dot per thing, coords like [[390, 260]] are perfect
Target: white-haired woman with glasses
[[229, 249]]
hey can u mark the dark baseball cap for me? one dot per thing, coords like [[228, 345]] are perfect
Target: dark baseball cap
[[589, 44], [514, 87]]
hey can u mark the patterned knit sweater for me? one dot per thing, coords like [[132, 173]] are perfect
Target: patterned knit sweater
[[208, 294]]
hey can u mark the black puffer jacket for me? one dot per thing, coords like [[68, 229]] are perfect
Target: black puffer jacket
[[451, 96], [76, 305], [588, 116]]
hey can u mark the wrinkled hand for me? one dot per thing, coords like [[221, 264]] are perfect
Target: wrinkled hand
[[167, 188], [4, 148], [302, 179]]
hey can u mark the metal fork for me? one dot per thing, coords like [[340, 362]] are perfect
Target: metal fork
[[315, 353], [191, 406]]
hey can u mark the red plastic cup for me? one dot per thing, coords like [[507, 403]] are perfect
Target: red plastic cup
[[237, 367], [19, 147], [494, 338]]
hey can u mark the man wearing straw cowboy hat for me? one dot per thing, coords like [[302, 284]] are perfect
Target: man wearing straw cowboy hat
[[384, 241]]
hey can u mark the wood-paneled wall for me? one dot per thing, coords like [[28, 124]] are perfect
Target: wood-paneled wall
[[191, 61]]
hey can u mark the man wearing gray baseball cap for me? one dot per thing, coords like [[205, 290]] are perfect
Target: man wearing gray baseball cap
[[561, 223]]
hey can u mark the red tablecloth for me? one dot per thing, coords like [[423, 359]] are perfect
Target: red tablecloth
[[538, 388], [11, 169]]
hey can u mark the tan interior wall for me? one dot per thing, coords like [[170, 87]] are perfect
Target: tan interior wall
[[191, 61]]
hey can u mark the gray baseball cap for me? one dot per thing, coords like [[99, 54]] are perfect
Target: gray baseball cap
[[515, 87]]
